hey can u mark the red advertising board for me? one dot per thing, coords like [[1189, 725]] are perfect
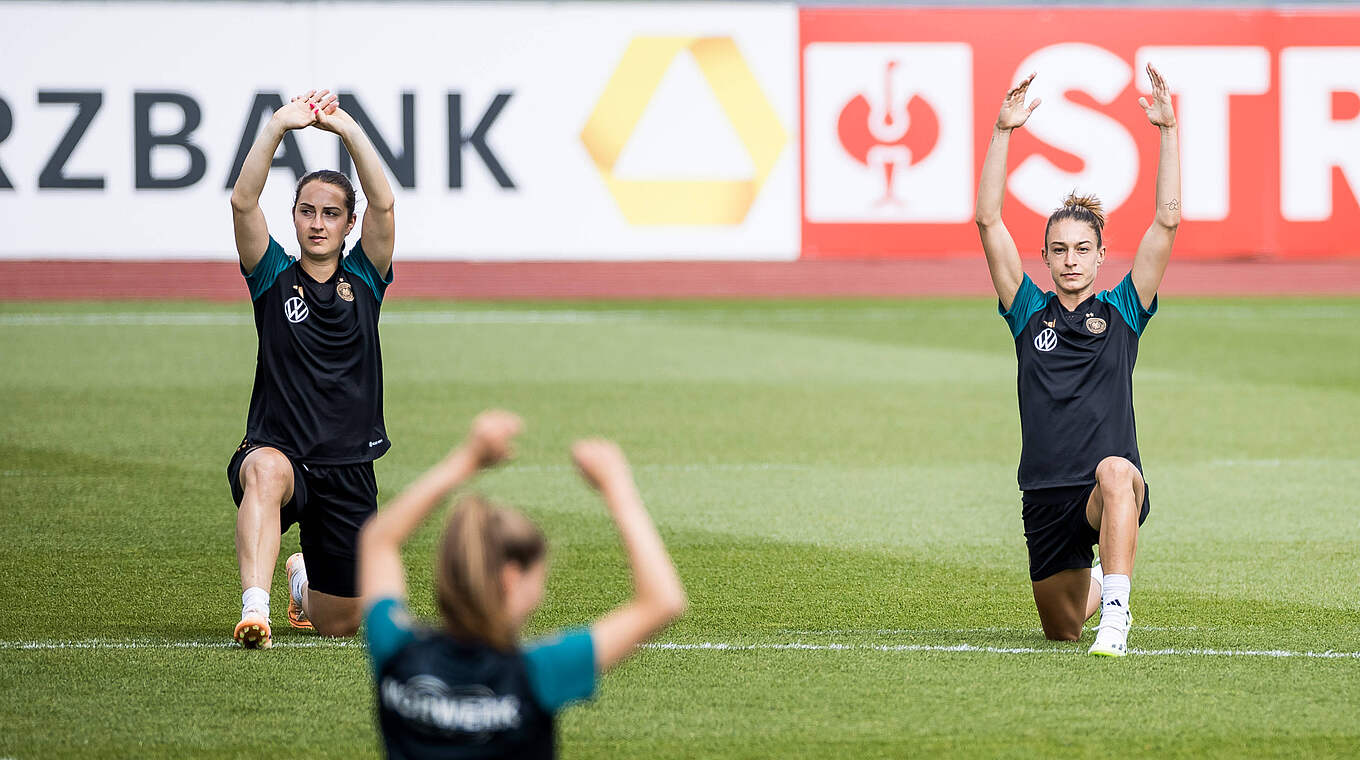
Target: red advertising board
[[898, 106]]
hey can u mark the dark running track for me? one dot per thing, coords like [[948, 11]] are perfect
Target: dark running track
[[221, 281]]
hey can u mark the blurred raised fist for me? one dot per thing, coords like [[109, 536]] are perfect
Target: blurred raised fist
[[601, 463], [492, 437]]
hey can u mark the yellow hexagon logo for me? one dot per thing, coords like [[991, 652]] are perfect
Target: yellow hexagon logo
[[625, 97]]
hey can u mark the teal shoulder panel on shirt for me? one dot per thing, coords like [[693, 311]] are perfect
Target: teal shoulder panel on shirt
[[262, 277], [561, 668], [1124, 298], [1028, 300], [387, 628], [357, 264]]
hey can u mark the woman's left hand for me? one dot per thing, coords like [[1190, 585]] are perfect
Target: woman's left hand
[[1159, 111]]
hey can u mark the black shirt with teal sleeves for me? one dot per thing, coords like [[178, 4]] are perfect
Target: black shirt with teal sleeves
[[1075, 381], [318, 393], [439, 697]]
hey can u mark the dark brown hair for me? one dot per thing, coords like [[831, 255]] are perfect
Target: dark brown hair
[[330, 177], [1082, 208], [478, 541]]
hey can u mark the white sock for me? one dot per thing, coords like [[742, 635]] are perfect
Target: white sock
[[1114, 599], [255, 598], [297, 581], [1097, 575]]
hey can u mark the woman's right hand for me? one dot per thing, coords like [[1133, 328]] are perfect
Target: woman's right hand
[[298, 112], [1014, 113]]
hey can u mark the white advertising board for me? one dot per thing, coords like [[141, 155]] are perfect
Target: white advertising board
[[511, 132]]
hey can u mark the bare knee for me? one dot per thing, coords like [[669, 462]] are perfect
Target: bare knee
[[267, 471], [1116, 471], [333, 615], [1063, 626], [1061, 602], [1062, 633], [338, 626]]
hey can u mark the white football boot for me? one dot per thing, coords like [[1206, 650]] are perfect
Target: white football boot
[[1112, 637]]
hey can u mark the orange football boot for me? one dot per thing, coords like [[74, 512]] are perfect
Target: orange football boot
[[253, 631], [297, 617]]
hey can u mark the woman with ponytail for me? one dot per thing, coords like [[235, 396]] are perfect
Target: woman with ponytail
[[470, 688], [1080, 474]]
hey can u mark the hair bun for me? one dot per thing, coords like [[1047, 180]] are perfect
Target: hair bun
[[1088, 202]]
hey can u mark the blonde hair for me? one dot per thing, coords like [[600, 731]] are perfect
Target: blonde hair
[[1082, 208], [478, 541]]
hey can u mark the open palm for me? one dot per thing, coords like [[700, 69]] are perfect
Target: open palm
[[1159, 111], [1014, 112]]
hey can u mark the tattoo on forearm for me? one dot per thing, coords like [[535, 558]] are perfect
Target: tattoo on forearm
[[1174, 204]]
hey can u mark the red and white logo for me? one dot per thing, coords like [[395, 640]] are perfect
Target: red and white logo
[[887, 132]]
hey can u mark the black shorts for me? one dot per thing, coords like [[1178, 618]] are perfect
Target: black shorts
[[330, 503], [1056, 531]]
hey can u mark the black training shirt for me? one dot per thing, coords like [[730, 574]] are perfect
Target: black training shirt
[[318, 374], [1075, 381], [439, 697]]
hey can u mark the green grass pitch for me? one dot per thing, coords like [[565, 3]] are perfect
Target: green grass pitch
[[835, 475]]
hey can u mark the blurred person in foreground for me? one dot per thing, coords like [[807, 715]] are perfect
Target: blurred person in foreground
[[315, 422], [469, 688], [1080, 473]]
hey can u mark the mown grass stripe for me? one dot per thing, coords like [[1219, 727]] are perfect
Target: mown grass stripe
[[716, 646]]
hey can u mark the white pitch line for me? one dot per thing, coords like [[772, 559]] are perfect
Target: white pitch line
[[714, 467], [214, 319], [122, 320], [594, 316], [799, 646], [164, 644], [700, 646], [479, 317], [956, 631]]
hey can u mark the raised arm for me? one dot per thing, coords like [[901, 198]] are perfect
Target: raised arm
[[1154, 252], [381, 573], [658, 597], [1003, 259], [379, 229], [252, 233]]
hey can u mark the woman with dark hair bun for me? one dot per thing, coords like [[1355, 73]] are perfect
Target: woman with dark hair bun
[[1080, 473], [469, 688], [315, 423]]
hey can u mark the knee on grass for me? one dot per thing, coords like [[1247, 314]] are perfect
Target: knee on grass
[[1065, 630], [337, 627]]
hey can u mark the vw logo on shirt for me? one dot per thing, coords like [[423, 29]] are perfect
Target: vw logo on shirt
[[295, 309], [1044, 341]]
